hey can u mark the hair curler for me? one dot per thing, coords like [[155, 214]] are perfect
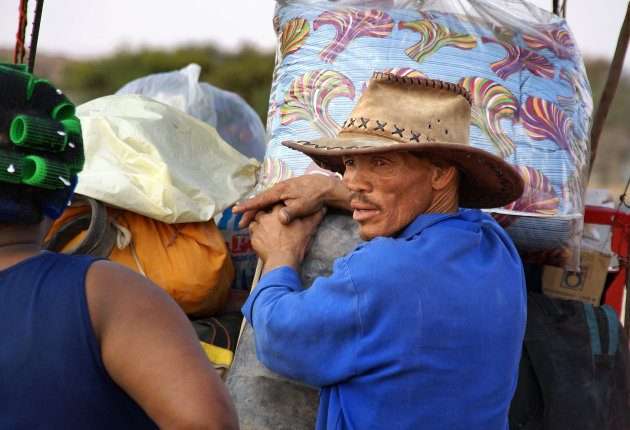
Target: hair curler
[[39, 133], [44, 173]]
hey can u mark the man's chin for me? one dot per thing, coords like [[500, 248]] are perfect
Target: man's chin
[[369, 234], [366, 236]]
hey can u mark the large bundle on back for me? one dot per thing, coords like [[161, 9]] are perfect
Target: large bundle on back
[[531, 100], [163, 176]]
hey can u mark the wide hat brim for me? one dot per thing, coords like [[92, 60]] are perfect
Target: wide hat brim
[[487, 181]]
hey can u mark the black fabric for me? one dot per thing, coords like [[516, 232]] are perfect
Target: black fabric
[[569, 378], [533, 276], [221, 330]]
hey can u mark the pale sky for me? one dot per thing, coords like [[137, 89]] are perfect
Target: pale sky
[[89, 28]]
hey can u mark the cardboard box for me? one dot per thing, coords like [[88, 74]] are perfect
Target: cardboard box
[[587, 285]]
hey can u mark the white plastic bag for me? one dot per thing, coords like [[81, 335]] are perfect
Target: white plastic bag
[[235, 121]]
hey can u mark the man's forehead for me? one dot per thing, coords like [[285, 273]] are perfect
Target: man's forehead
[[385, 154], [405, 157]]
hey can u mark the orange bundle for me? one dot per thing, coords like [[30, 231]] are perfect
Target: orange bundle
[[188, 260]]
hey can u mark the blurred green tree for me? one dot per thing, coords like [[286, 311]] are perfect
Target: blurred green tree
[[611, 166], [597, 72], [247, 72]]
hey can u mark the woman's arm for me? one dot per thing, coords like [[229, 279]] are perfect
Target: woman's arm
[[151, 351]]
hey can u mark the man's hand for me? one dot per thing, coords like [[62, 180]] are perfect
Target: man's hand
[[280, 245], [302, 196]]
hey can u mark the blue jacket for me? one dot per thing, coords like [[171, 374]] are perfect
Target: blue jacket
[[420, 331]]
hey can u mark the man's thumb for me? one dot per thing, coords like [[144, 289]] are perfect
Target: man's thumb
[[285, 216]]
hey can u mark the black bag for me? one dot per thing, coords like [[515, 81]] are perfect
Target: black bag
[[574, 372]]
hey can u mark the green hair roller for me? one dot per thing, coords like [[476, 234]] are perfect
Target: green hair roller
[[63, 110], [52, 100], [44, 173], [39, 133], [74, 145], [23, 68], [16, 85]]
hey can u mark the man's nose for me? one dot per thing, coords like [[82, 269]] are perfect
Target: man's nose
[[357, 180]]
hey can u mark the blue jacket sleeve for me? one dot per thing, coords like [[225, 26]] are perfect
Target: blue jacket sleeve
[[308, 335]]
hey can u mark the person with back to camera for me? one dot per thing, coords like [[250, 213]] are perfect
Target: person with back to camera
[[421, 326], [85, 343]]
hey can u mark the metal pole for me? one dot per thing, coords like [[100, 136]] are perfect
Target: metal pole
[[20, 50], [35, 35], [614, 75]]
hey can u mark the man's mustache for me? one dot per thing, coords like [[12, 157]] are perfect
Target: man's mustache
[[361, 198]]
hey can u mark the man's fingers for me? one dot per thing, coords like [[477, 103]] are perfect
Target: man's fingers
[[261, 201], [319, 215], [315, 219], [285, 215], [252, 204], [298, 208], [247, 218]]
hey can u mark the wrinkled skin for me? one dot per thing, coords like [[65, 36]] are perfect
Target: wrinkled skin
[[385, 192]]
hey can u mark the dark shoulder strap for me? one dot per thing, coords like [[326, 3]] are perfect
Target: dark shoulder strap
[[613, 328]]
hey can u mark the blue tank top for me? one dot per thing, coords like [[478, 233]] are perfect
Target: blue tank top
[[51, 372]]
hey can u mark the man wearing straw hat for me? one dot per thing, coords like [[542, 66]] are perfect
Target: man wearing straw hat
[[420, 326]]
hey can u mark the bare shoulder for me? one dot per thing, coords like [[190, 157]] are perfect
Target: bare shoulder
[[116, 293], [120, 297], [108, 281], [151, 351], [103, 273]]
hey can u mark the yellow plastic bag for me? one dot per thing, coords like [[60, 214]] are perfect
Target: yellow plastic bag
[[155, 160]]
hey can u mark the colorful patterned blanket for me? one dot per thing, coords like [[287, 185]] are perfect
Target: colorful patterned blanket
[[532, 102]]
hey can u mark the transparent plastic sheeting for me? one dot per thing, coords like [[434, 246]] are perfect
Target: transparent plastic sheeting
[[235, 121], [152, 159], [532, 102]]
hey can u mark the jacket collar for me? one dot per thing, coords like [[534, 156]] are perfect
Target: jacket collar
[[423, 221]]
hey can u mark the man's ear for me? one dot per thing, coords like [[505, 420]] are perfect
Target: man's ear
[[443, 176]]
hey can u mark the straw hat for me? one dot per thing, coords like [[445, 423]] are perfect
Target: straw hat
[[427, 116]]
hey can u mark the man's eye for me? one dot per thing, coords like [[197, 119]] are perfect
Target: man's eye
[[348, 163], [380, 162]]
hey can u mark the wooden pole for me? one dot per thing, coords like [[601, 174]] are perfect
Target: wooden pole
[[614, 74], [259, 267], [560, 10]]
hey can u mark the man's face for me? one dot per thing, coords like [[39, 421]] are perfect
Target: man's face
[[389, 190]]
